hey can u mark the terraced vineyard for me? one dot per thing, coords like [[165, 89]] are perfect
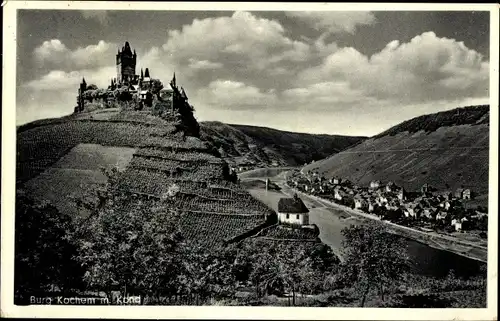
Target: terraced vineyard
[[167, 169], [280, 232], [40, 147], [210, 229]]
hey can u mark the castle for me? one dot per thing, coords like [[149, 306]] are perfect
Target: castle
[[130, 89]]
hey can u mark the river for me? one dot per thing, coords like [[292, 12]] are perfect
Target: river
[[330, 221]]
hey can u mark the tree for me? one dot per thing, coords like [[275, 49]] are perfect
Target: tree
[[278, 267], [207, 272], [44, 250], [132, 246], [373, 258], [156, 86], [136, 246]]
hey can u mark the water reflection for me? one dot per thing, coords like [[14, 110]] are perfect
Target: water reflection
[[435, 262]]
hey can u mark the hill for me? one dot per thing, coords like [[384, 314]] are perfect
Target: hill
[[66, 162], [447, 150], [251, 146]]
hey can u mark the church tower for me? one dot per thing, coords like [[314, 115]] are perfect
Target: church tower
[[125, 64]]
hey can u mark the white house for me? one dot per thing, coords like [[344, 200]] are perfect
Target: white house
[[441, 215], [335, 181], [360, 203], [338, 194], [293, 211], [390, 187], [466, 194], [457, 223], [401, 194], [375, 184]]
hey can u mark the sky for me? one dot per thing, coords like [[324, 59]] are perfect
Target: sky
[[333, 72]]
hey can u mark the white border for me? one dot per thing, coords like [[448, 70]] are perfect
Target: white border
[[8, 177]]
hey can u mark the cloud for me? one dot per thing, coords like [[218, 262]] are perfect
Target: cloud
[[57, 80], [239, 41], [332, 93], [225, 93], [53, 53], [334, 21], [203, 64], [99, 15], [426, 68]]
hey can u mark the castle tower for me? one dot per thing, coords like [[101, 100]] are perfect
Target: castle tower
[[125, 64], [83, 85]]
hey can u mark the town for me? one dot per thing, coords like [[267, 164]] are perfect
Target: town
[[427, 209]]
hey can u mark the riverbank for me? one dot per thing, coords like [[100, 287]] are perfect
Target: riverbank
[[432, 239]]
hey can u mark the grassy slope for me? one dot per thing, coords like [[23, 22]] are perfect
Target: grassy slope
[[447, 150], [264, 145]]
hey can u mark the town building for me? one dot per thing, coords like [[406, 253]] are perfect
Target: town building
[[375, 184], [459, 192], [293, 211], [390, 187], [401, 194], [467, 194]]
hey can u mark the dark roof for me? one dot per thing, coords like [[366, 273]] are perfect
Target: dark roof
[[292, 205]]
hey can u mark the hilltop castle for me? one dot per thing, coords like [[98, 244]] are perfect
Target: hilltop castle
[[130, 89]]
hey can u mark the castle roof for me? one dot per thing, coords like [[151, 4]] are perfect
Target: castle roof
[[126, 49]]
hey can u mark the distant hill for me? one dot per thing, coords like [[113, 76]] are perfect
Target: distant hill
[[471, 115], [448, 150], [244, 145]]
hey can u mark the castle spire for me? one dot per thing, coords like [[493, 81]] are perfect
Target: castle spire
[[146, 73], [142, 74], [173, 81], [83, 80]]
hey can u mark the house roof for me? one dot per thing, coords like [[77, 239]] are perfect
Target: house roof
[[292, 205]]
